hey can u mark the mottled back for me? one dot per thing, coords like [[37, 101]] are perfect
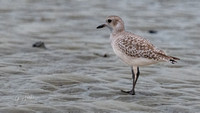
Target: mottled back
[[136, 46]]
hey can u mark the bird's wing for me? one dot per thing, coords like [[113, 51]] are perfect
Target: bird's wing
[[136, 46]]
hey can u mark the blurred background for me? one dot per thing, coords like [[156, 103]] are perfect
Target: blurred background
[[79, 72]]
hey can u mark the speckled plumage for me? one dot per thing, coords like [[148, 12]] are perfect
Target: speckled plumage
[[132, 49], [136, 47]]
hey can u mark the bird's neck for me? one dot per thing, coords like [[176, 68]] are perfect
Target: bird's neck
[[114, 36], [118, 29], [116, 32]]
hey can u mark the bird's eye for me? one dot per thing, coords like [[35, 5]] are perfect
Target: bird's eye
[[109, 20]]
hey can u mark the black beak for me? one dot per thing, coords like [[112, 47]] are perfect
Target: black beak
[[101, 26]]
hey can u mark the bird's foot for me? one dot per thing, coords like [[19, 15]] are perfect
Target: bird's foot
[[131, 92]]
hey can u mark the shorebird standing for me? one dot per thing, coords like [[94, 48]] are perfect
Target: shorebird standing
[[132, 49]]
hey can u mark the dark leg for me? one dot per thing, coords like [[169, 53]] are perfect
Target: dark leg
[[135, 75], [138, 74]]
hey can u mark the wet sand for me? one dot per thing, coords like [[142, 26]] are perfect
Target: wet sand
[[78, 72]]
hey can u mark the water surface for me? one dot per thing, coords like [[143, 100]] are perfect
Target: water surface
[[72, 74]]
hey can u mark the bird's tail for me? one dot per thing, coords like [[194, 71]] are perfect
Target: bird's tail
[[173, 59], [168, 58]]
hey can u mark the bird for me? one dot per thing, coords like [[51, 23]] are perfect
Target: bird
[[133, 49]]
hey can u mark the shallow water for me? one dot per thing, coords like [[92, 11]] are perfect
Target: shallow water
[[72, 74]]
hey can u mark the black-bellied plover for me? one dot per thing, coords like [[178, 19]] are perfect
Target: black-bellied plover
[[132, 49]]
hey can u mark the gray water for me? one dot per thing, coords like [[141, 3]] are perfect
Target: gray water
[[72, 74]]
